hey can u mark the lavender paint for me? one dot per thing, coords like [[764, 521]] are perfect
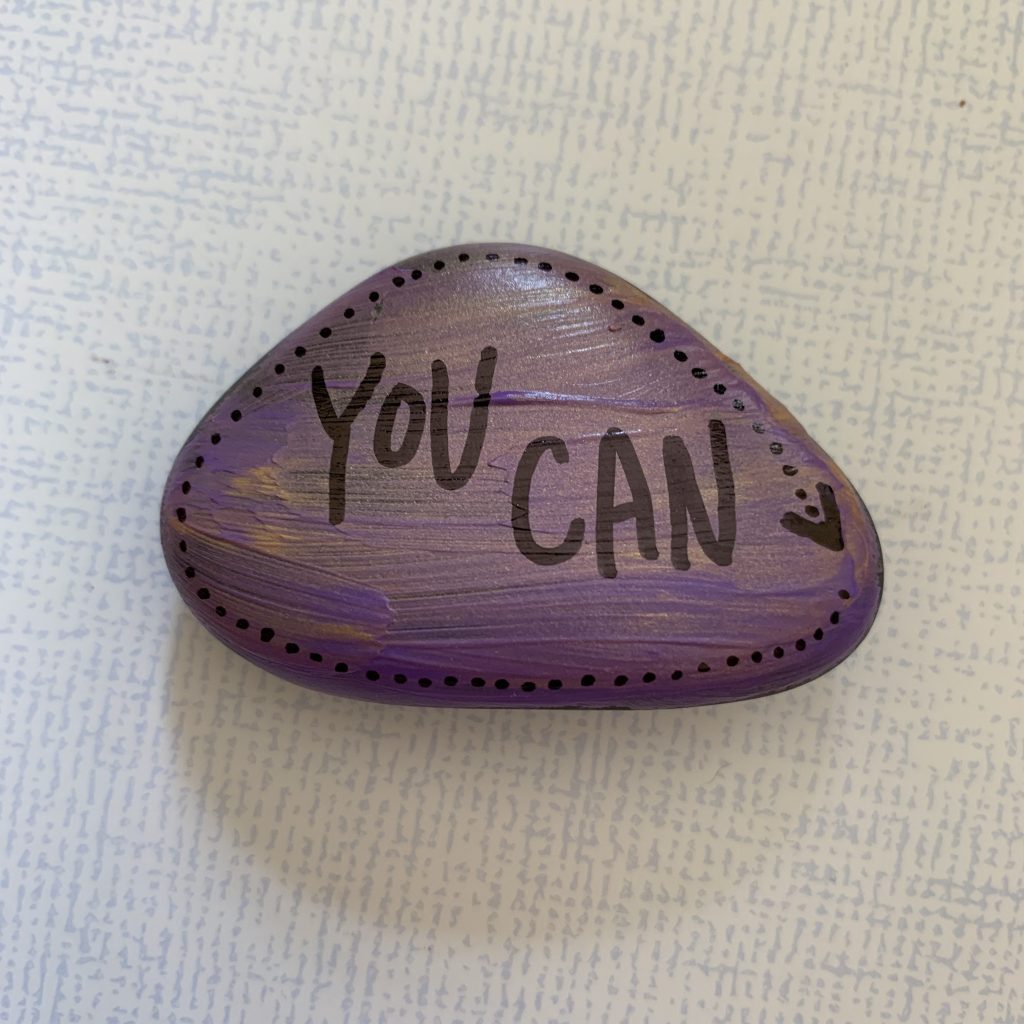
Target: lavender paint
[[500, 476]]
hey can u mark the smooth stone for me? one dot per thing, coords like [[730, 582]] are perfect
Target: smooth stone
[[500, 476]]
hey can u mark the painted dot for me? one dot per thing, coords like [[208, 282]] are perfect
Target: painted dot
[[818, 634], [719, 389], [373, 675], [300, 350], [398, 281], [657, 335], [520, 261], [399, 677], [341, 666], [182, 545], [778, 652], [800, 493], [789, 470], [621, 680], [215, 439], [844, 594], [416, 275], [236, 415], [571, 275], [529, 687], [703, 667], [738, 405], [190, 572], [257, 391], [186, 487], [758, 428], [463, 256], [279, 369], [450, 680], [834, 618], [349, 313], [181, 514], [199, 461], [618, 304], [424, 682], [501, 684], [732, 661], [587, 680], [596, 289], [477, 682], [544, 265], [203, 594], [649, 677], [756, 657], [325, 332], [680, 355], [811, 510], [699, 373], [374, 296], [221, 611], [492, 255], [439, 264], [800, 645], [242, 624], [775, 448], [266, 634], [638, 320], [554, 684], [677, 674], [313, 656], [292, 648]]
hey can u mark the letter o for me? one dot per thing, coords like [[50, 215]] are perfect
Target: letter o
[[383, 433]]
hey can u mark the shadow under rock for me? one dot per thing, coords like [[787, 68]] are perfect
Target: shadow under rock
[[495, 824]]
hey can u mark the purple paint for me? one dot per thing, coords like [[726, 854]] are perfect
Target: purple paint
[[500, 476]]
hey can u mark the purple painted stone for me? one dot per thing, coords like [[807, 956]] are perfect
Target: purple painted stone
[[500, 476]]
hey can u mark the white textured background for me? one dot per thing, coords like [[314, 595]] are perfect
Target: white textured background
[[834, 193]]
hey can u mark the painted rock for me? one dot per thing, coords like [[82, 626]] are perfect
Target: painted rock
[[501, 476]]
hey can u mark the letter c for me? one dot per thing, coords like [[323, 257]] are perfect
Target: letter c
[[521, 506]]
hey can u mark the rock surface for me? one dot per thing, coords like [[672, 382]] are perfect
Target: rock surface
[[497, 475]]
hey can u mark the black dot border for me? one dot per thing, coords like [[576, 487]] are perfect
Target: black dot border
[[658, 336]]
